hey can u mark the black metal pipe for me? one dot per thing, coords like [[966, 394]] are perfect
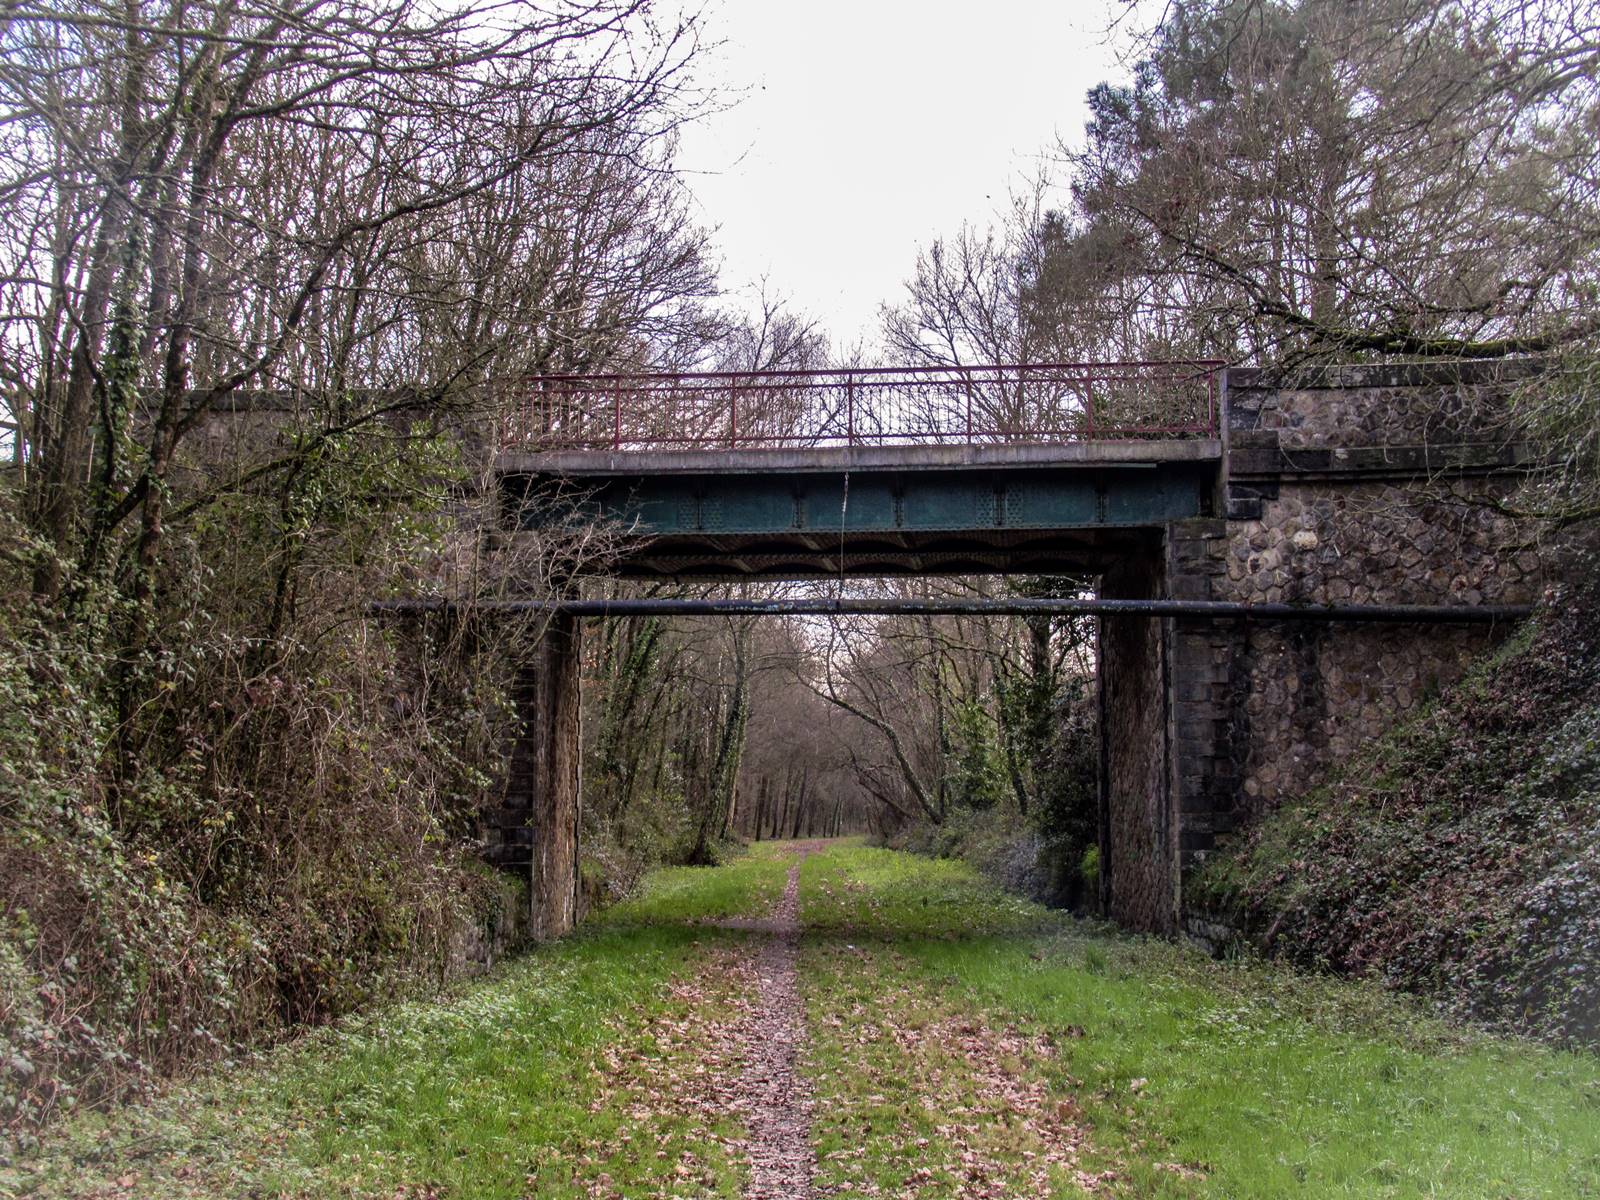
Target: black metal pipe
[[1010, 606]]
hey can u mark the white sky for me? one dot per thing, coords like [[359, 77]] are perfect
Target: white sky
[[867, 128]]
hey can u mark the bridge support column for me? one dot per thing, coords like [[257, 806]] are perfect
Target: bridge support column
[[538, 829], [1206, 682], [1166, 685], [1137, 880], [1366, 485]]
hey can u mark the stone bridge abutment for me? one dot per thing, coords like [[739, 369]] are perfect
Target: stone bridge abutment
[[1368, 485], [537, 830]]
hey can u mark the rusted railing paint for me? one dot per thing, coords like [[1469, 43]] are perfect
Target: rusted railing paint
[[871, 406]]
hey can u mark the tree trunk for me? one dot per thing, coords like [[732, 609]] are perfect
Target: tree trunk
[[780, 814], [800, 804], [763, 798]]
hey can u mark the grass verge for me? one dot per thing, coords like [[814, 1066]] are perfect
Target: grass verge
[[963, 1043]]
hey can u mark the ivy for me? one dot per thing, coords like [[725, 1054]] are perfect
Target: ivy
[[1460, 856]]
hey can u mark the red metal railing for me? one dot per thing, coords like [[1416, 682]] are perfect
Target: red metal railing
[[876, 406]]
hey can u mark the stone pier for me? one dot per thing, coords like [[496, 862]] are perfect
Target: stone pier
[[536, 829]]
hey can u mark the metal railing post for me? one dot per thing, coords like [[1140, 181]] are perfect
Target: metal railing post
[[568, 410]]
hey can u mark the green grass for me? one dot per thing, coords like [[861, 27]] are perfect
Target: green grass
[[1270, 1082], [749, 885], [919, 1094], [494, 1092], [887, 895], [959, 1039]]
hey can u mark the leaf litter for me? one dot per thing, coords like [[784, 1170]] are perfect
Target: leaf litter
[[727, 1047], [926, 1099]]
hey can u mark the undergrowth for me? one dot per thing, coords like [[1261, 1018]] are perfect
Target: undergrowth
[[235, 806], [1459, 857], [542, 1079]]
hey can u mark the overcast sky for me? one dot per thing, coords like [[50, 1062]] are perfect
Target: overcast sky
[[864, 129]]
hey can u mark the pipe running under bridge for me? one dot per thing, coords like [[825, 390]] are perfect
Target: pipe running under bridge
[[822, 606]]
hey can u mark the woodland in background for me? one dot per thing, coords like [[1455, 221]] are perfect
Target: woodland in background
[[707, 730], [263, 270]]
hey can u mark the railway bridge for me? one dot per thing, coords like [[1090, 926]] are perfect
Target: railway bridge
[[1317, 551]]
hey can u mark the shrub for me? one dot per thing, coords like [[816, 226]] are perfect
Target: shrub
[[1089, 870], [233, 805], [1460, 856]]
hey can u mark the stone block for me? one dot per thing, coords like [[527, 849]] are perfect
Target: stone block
[[1200, 527], [1196, 840], [1189, 587]]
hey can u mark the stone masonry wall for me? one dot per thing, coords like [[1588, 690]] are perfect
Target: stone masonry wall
[[536, 830], [1363, 485], [1311, 693]]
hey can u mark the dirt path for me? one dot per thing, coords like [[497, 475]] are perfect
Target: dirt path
[[774, 1097]]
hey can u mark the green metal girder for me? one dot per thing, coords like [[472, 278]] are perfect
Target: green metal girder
[[953, 501]]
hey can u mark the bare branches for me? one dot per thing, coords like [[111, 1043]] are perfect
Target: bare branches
[[1388, 177], [320, 198]]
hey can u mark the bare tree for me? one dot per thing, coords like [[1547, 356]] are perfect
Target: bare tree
[[1293, 179], [208, 199]]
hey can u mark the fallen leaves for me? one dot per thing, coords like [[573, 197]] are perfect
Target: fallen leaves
[[711, 1080], [671, 1133], [932, 1100]]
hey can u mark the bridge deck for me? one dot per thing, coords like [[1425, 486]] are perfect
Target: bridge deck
[[1051, 467], [839, 459], [876, 510]]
